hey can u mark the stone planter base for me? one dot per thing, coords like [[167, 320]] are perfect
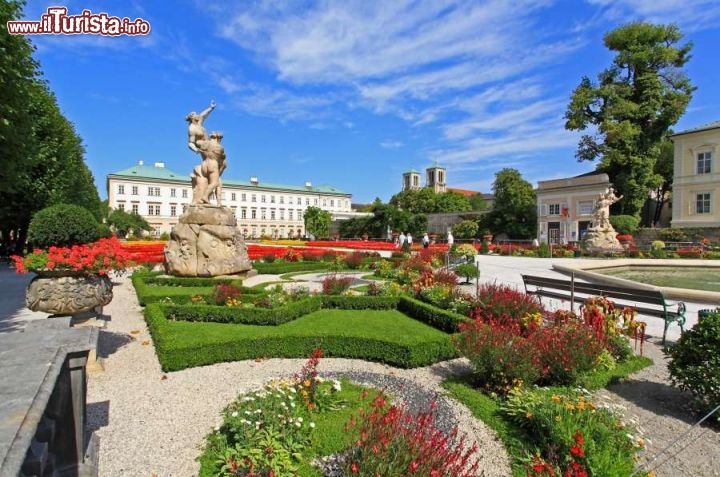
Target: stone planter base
[[68, 294]]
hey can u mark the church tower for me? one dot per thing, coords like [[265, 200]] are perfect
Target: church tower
[[435, 178], [411, 180]]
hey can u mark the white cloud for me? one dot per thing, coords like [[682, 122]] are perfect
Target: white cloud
[[390, 144], [690, 15]]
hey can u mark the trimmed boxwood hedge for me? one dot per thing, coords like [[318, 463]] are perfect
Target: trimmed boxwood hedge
[[444, 320], [278, 268], [151, 288], [346, 302], [190, 281], [249, 316], [175, 355]]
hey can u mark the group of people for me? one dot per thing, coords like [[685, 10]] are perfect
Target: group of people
[[404, 241]]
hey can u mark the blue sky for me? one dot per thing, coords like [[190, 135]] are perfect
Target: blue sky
[[353, 93]]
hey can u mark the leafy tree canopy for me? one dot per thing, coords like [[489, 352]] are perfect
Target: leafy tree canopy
[[427, 201], [514, 211], [123, 222], [631, 107], [317, 222]]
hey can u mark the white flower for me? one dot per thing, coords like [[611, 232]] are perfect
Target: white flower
[[293, 390], [234, 414], [300, 419], [297, 424], [312, 425], [258, 411], [336, 385], [292, 404], [248, 413], [217, 428]]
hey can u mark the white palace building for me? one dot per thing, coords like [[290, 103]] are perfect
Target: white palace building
[[262, 209]]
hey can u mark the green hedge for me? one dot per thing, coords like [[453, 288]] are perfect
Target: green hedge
[[175, 355], [278, 268], [248, 316], [444, 320], [360, 302], [191, 281], [151, 288]]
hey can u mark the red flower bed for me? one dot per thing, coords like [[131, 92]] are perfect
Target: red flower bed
[[369, 245], [257, 252], [144, 252]]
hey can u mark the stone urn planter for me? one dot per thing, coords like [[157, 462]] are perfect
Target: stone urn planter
[[67, 293]]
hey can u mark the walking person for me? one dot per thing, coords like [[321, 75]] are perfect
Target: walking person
[[426, 240], [401, 240]]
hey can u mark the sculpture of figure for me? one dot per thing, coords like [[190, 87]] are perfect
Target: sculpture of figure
[[601, 214], [196, 131], [206, 176]]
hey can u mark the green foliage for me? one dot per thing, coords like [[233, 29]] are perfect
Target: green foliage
[[383, 336], [467, 229], [477, 202], [447, 321], [123, 222], [427, 201], [63, 225], [632, 106], [359, 302], [317, 221], [278, 268], [514, 211], [543, 250], [467, 271], [625, 224], [253, 316], [695, 362]]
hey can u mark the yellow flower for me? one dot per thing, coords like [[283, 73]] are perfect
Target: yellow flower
[[306, 383], [529, 415], [651, 474], [556, 398], [557, 418], [569, 407], [581, 405]]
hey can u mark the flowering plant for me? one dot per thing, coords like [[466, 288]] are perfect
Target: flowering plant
[[99, 257]]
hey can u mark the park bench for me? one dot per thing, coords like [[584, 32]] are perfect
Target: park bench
[[644, 302]]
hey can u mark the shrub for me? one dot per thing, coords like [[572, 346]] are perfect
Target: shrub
[[310, 257], [501, 359], [565, 352], [269, 258], [222, 293], [543, 250], [468, 271], [436, 317], [485, 247], [390, 440], [63, 225], [625, 224], [695, 362], [499, 302], [444, 276], [333, 284], [354, 260]]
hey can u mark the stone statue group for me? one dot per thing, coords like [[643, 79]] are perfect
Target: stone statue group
[[206, 175]]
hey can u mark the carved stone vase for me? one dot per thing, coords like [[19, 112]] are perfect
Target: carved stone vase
[[63, 292]]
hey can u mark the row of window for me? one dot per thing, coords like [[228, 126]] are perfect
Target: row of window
[[154, 210], [701, 205], [155, 192]]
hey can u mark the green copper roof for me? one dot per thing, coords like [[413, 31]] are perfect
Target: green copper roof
[[152, 172], [163, 173], [704, 127]]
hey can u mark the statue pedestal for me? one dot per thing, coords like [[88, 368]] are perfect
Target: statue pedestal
[[599, 240], [206, 243]]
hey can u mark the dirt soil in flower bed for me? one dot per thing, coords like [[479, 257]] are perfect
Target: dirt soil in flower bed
[[662, 412]]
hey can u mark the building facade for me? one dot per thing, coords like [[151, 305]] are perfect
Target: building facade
[[696, 177], [262, 209], [565, 206]]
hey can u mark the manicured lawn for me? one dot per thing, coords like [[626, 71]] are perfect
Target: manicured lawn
[[377, 335]]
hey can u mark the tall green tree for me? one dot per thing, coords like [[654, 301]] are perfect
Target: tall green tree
[[317, 221], [18, 70], [427, 201], [631, 107], [477, 202], [514, 211], [664, 169], [123, 222]]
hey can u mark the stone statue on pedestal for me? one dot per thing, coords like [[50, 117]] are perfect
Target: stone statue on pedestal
[[601, 236], [206, 241]]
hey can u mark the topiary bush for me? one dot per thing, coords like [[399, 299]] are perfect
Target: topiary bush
[[63, 225], [467, 271], [695, 362], [625, 224]]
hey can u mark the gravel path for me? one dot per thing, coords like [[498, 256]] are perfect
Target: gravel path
[[152, 423]]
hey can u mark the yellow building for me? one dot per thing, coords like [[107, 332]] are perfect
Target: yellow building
[[696, 177]]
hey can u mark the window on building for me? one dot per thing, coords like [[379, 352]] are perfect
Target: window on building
[[173, 192], [315, 201], [121, 206], [263, 214], [121, 189], [586, 207], [702, 203], [234, 211], [243, 213], [153, 209], [233, 196], [282, 214], [253, 214], [272, 199], [134, 190], [332, 202], [290, 214], [243, 197], [154, 191], [135, 208], [324, 202], [173, 210], [300, 214], [704, 162], [262, 198], [272, 214], [553, 209], [184, 193], [282, 199], [253, 198], [307, 201]]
